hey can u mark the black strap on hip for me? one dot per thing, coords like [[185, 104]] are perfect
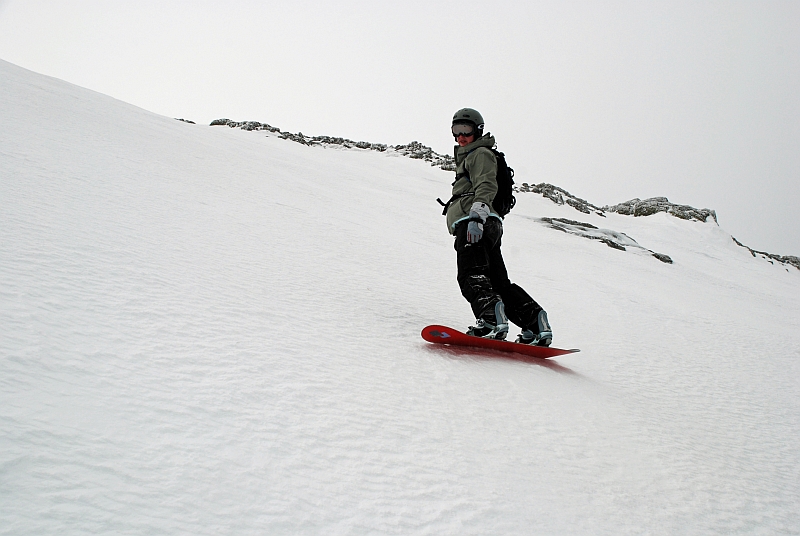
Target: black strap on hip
[[451, 200]]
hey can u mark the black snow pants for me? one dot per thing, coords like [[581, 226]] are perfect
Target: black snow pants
[[484, 281]]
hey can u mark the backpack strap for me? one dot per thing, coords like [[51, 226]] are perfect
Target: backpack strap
[[451, 200], [465, 175]]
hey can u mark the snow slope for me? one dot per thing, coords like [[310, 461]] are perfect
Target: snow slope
[[211, 331]]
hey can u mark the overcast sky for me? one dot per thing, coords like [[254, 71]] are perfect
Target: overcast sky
[[693, 100]]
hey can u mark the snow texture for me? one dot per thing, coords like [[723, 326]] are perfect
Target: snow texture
[[216, 331]]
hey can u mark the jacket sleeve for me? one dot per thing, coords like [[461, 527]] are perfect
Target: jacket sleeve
[[482, 168]]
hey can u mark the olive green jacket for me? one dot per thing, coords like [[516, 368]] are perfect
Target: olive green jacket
[[476, 173]]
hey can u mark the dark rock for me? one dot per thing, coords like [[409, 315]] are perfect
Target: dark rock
[[612, 244], [654, 205], [577, 205], [298, 138], [244, 125], [186, 121], [569, 222], [783, 259], [413, 150], [559, 196], [418, 151], [613, 239]]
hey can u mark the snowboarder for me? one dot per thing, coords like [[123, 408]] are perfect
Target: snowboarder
[[478, 230]]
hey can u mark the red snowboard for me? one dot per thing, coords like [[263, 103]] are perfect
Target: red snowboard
[[445, 335]]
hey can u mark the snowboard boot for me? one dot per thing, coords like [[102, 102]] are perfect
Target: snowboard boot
[[491, 327], [539, 335]]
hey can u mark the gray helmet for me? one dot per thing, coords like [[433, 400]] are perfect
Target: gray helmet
[[468, 115]]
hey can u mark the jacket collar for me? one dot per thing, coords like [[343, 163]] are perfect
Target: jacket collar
[[487, 140]]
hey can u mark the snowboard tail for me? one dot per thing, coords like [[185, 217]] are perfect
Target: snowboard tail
[[453, 337]]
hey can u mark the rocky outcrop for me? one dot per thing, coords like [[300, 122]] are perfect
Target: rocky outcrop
[[770, 257], [244, 125], [634, 207], [654, 205], [414, 150], [418, 151], [559, 196], [612, 239]]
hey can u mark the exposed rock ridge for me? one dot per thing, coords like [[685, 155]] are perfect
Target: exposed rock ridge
[[612, 239], [414, 150], [783, 259], [559, 196], [653, 205], [634, 207]]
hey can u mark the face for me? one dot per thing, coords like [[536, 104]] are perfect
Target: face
[[464, 133], [465, 140]]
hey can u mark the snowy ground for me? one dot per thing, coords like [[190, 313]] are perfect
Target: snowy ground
[[212, 331]]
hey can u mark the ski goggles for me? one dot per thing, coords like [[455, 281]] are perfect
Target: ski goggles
[[463, 129]]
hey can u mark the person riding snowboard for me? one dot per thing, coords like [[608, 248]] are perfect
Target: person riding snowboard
[[478, 230]]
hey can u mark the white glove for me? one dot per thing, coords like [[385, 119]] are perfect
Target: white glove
[[474, 228], [481, 210]]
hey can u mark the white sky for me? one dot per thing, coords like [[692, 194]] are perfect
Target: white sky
[[696, 101]]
